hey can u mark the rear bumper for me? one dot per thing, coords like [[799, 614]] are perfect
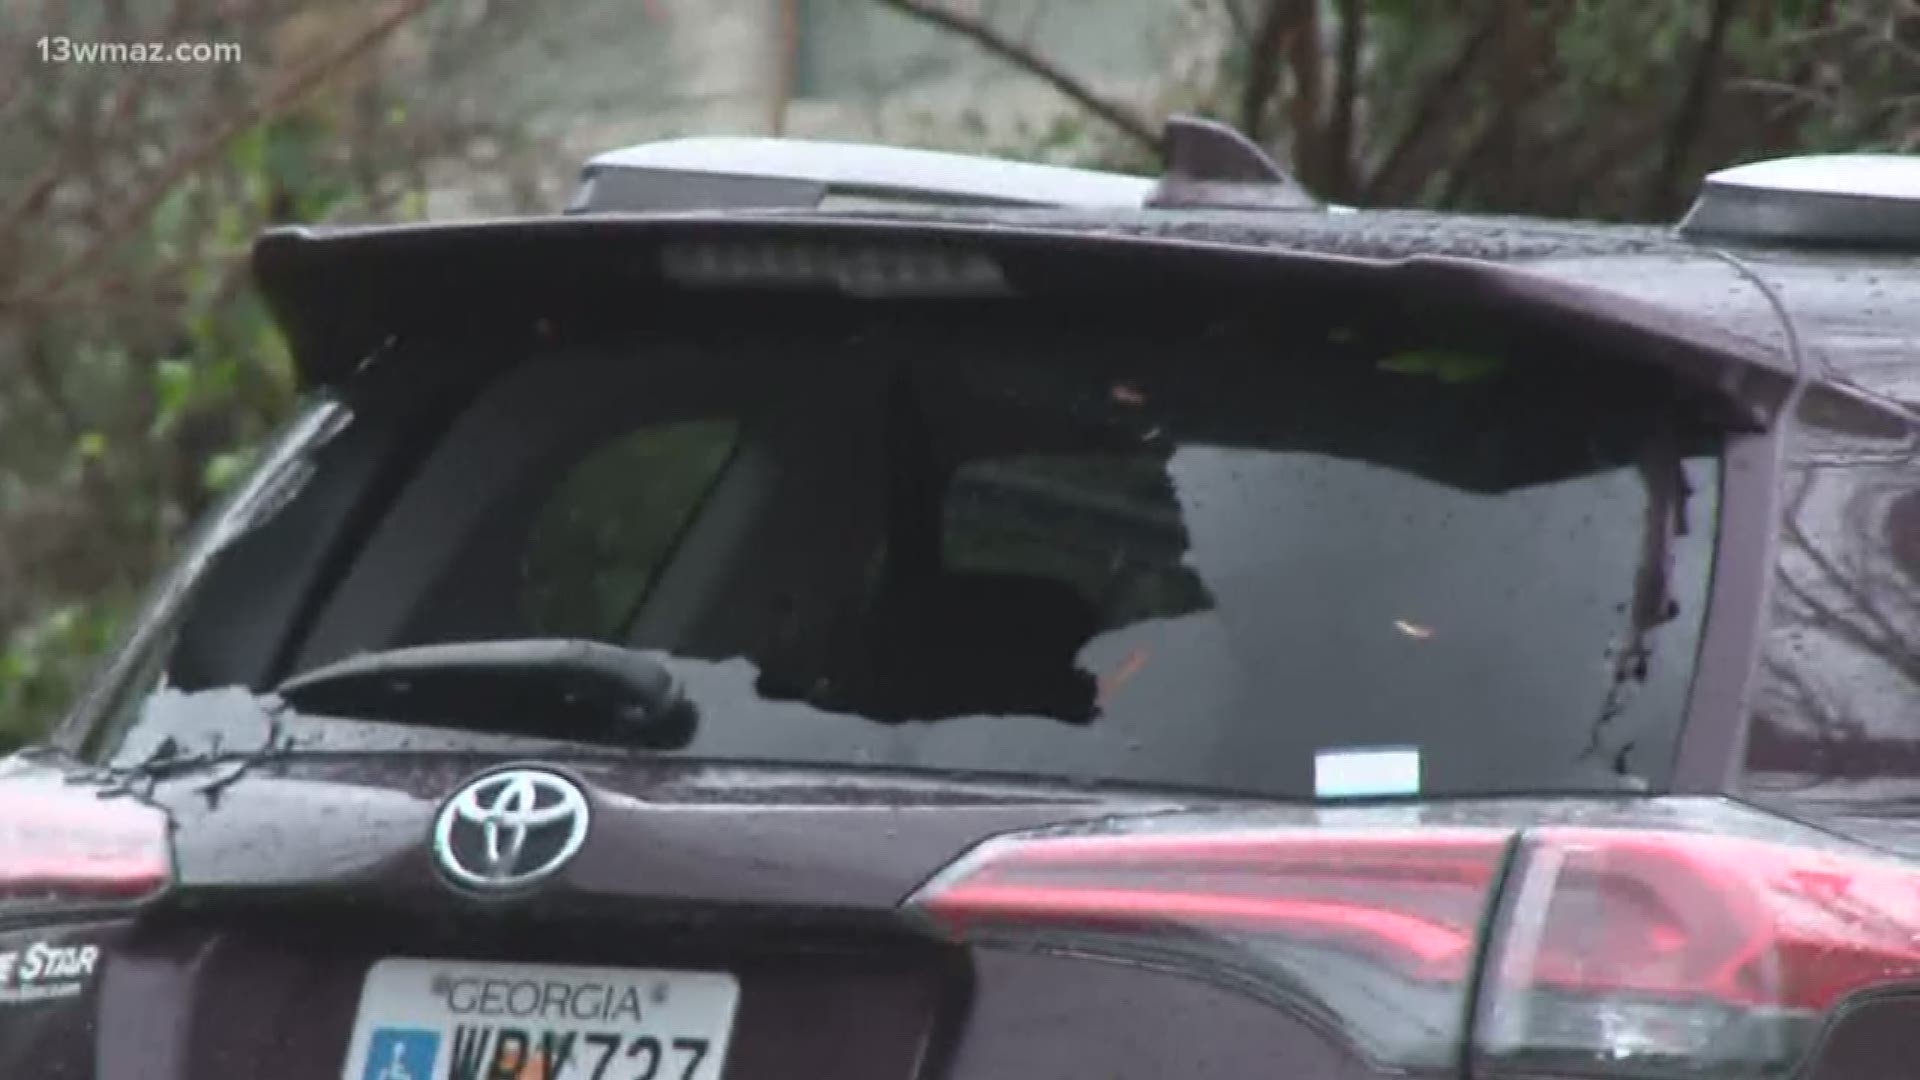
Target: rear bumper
[[1042, 1017], [180, 1003]]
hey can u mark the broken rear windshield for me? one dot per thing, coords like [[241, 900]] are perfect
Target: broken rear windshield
[[1288, 560]]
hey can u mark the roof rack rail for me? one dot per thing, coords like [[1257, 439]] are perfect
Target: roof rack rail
[[1864, 200], [766, 173]]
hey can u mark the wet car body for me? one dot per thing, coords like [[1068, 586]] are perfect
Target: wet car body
[[908, 916]]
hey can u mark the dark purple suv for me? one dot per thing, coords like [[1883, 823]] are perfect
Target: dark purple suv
[[800, 634]]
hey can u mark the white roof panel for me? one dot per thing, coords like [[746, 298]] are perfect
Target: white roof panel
[[1862, 200], [885, 170], [1882, 176]]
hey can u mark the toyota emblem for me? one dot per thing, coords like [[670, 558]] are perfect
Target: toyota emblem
[[510, 829]]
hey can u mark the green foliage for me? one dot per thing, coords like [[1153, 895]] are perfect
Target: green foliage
[[1446, 367], [616, 519], [170, 435], [138, 370], [46, 660]]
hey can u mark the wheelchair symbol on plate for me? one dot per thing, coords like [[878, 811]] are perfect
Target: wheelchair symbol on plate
[[397, 1066], [401, 1054]]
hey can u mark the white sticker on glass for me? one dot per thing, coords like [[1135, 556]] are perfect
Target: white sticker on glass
[[1354, 773]]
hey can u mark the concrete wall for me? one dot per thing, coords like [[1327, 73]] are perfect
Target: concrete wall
[[590, 75], [615, 72]]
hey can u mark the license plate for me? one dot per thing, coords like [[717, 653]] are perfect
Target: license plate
[[440, 1020]]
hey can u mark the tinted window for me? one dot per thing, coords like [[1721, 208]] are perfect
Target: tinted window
[[1836, 722], [611, 521], [1109, 525], [1214, 560]]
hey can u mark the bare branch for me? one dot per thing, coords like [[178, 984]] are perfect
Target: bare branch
[[1864, 638], [1478, 151], [1305, 108], [784, 80], [1237, 18], [1515, 79], [1278, 20], [1690, 118], [1803, 95], [273, 103], [1490, 157], [1878, 637], [1857, 595], [1438, 95], [36, 190], [1812, 702], [1782, 126], [1032, 63], [46, 380], [1346, 93], [10, 77]]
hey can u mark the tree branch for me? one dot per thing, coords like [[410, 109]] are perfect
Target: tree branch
[[1433, 102], [1857, 596], [36, 190], [1855, 593], [1032, 63], [11, 76], [1466, 169], [1305, 108], [1237, 19], [272, 104], [1521, 66], [1782, 128], [1812, 702], [786, 79], [1878, 637], [1822, 614], [1346, 94], [1690, 118], [1269, 38], [46, 380]]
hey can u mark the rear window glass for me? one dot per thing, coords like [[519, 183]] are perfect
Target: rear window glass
[[1294, 561], [612, 520], [1834, 734]]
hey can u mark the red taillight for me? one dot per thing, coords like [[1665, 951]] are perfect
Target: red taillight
[[1374, 929], [1624, 948], [1714, 953], [68, 844]]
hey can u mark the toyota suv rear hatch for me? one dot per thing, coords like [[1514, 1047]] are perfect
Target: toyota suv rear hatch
[[1006, 683]]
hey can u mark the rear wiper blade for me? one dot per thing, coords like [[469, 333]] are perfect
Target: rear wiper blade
[[547, 687]]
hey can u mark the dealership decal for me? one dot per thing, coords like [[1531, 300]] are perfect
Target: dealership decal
[[43, 972]]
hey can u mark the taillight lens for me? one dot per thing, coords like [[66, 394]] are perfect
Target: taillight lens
[[66, 844], [1373, 931], [1691, 938], [1625, 952]]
